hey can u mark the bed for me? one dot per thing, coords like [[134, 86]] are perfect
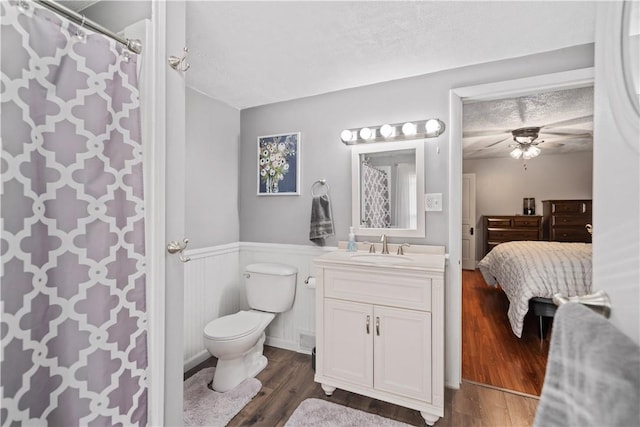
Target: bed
[[528, 270]]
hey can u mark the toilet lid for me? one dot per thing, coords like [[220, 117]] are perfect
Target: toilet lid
[[233, 326]]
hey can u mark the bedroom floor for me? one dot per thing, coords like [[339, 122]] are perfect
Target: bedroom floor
[[288, 380], [491, 353]]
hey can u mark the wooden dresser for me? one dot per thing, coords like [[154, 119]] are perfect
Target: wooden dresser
[[507, 228], [565, 220]]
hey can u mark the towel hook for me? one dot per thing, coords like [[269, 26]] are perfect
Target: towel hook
[[174, 247], [180, 64], [322, 183]]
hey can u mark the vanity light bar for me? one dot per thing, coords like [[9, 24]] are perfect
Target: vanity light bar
[[430, 128]]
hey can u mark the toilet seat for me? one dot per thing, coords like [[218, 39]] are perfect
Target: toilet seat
[[234, 326]]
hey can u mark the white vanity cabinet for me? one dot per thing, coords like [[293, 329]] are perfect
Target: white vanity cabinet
[[380, 328]]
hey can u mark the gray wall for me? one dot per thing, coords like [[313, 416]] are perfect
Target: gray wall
[[501, 184], [285, 219], [211, 193]]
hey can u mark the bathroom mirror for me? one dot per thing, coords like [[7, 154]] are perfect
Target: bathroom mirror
[[387, 189]]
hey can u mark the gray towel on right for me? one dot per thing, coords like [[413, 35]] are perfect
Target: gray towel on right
[[321, 224], [593, 373]]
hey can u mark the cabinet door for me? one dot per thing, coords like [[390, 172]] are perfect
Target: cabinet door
[[402, 352], [348, 341]]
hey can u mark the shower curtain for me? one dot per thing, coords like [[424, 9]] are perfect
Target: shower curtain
[[406, 202], [73, 327], [375, 197]]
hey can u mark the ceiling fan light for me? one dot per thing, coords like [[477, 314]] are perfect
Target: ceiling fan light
[[516, 153], [533, 151], [525, 139]]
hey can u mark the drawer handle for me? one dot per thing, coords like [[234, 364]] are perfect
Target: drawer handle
[[368, 322], [377, 326]]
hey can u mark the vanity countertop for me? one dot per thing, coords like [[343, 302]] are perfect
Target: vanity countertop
[[429, 261]]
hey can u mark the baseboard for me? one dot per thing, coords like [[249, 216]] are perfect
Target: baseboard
[[196, 360], [283, 344], [273, 342], [452, 385], [504, 390]]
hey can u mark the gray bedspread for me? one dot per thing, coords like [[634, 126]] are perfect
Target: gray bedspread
[[593, 373], [527, 269]]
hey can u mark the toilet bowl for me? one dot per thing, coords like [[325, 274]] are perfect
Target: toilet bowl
[[237, 340]]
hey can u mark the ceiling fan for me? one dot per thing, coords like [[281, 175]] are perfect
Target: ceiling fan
[[525, 142]]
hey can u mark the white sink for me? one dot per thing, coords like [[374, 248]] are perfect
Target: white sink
[[381, 259]]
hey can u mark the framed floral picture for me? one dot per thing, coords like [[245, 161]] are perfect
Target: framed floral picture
[[279, 165]]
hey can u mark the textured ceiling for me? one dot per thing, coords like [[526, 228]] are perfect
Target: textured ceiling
[[253, 53], [565, 118]]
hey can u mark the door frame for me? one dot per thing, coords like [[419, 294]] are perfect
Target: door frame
[[496, 90]]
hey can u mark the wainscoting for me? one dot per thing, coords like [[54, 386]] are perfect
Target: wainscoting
[[214, 287], [211, 289]]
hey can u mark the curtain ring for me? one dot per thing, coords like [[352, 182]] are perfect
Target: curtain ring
[[79, 31]]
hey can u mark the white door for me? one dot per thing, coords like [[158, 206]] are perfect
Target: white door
[[469, 221], [348, 338], [402, 352]]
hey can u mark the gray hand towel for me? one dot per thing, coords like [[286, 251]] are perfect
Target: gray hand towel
[[321, 225], [593, 373]]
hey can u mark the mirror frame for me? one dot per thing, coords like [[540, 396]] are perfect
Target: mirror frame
[[418, 145]]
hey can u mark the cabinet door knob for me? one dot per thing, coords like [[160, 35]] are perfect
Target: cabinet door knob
[[377, 326], [368, 322]]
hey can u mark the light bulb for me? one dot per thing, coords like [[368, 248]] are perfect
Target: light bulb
[[365, 133], [530, 152], [409, 129], [516, 153], [432, 127], [386, 131], [346, 135]]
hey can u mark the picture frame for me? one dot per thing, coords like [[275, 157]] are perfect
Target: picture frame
[[278, 166]]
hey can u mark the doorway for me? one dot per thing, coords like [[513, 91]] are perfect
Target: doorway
[[492, 91]]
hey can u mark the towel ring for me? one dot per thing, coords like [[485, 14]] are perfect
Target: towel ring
[[322, 183]]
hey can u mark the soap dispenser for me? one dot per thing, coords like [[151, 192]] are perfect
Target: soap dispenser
[[351, 244]]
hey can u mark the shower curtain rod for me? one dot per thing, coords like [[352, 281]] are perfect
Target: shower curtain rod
[[131, 44]]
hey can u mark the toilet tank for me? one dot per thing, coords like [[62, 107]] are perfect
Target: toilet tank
[[270, 287]]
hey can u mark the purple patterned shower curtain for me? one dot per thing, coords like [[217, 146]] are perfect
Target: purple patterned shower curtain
[[375, 197], [73, 326]]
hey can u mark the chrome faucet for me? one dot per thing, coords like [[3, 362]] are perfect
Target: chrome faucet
[[385, 248], [400, 248]]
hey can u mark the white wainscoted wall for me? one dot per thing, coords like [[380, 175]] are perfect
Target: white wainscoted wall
[[214, 287], [211, 289]]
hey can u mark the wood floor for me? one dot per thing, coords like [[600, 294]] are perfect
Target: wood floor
[[491, 353], [288, 380]]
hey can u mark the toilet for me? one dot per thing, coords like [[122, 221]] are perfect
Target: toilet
[[237, 340]]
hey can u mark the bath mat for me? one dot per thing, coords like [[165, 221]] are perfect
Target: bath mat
[[317, 412], [205, 407]]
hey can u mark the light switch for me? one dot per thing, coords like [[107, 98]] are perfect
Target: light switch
[[433, 202]]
